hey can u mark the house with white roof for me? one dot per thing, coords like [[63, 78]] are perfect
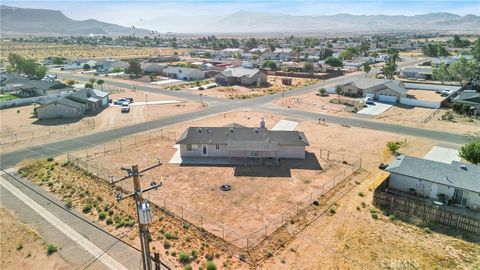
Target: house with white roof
[[186, 74]]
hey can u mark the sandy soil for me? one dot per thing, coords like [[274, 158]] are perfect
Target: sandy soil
[[352, 239], [424, 95], [315, 103], [416, 116], [19, 120], [21, 247], [242, 92], [39, 51], [246, 208], [75, 186]]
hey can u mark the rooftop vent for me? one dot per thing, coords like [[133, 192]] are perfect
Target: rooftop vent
[[199, 130], [231, 130], [463, 167], [257, 131]]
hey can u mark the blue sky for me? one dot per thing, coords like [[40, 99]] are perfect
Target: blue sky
[[130, 12]]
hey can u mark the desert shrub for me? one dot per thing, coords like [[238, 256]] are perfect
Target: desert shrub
[[333, 210], [194, 254], [269, 254], [102, 215], [361, 194], [187, 267], [166, 244], [391, 217], [373, 210], [183, 257], [174, 254], [51, 249], [393, 146], [68, 203], [120, 224], [427, 230], [20, 246], [374, 215], [50, 159], [210, 265], [109, 221], [364, 204], [87, 208], [169, 236]]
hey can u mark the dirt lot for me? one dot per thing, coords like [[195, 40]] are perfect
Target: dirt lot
[[424, 95], [19, 120], [315, 103], [416, 116], [352, 239], [242, 92], [22, 247], [96, 199], [246, 208], [39, 51]]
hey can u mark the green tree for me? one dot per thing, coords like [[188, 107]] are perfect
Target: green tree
[[70, 82], [251, 43], [308, 67], [389, 69], [333, 61], [471, 151], [366, 68], [15, 60], [57, 60], [457, 42], [40, 71], [28, 67], [393, 146], [476, 49], [393, 53], [134, 67], [338, 90], [463, 70], [442, 51], [441, 73], [152, 77], [348, 53], [100, 82], [89, 85], [86, 67], [270, 64]]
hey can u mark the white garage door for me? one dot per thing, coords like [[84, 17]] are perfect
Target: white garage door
[[370, 95], [388, 99]]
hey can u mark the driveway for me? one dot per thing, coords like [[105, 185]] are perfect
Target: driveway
[[443, 154], [285, 125], [375, 109]]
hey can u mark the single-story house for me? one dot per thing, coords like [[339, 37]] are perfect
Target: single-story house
[[416, 73], [26, 87], [181, 73], [470, 98], [60, 108], [244, 76], [93, 99], [238, 141], [108, 65], [152, 68], [379, 89], [75, 105], [456, 183]]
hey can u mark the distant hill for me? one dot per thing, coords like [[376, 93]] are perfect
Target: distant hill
[[26, 21], [250, 22]]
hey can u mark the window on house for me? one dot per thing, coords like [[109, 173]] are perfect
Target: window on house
[[217, 147], [189, 147]]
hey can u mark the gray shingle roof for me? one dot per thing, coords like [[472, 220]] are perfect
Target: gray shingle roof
[[233, 135], [365, 83], [456, 174], [240, 72], [468, 97]]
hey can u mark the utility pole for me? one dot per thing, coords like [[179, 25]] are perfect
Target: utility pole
[[144, 214]]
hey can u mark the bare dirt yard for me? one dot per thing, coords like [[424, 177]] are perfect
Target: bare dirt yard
[[322, 104], [428, 118], [21, 247], [18, 124], [424, 95], [351, 238], [274, 85], [247, 207]]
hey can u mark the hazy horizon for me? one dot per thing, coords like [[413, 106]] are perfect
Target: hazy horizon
[[129, 13]]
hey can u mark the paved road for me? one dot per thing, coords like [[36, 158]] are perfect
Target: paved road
[[81, 232]]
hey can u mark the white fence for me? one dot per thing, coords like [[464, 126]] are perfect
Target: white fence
[[420, 103]]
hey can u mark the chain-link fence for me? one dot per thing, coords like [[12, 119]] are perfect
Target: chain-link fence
[[46, 133]]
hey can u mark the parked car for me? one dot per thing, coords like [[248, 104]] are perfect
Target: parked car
[[125, 108], [369, 100], [446, 93], [121, 101]]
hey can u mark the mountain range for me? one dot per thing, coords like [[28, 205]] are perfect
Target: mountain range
[[25, 21], [251, 22]]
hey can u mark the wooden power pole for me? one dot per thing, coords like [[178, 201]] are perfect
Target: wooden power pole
[[144, 214]]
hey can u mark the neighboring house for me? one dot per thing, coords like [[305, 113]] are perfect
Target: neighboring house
[[470, 98], [75, 105], [61, 108], [153, 68], [456, 183], [416, 73], [76, 64], [243, 76], [186, 74], [25, 87], [108, 65], [382, 90], [242, 142]]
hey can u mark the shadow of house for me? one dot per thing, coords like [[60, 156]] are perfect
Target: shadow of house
[[283, 169]]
